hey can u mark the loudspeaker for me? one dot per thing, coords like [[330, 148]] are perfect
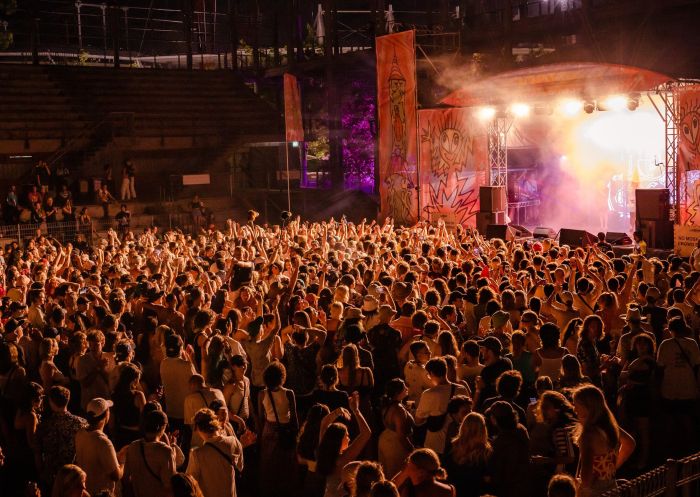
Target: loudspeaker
[[520, 231], [492, 198], [502, 231], [652, 204], [617, 238], [544, 232], [483, 219], [576, 238], [658, 234]]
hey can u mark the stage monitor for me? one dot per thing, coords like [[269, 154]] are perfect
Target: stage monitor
[[657, 234], [520, 231], [544, 232], [492, 198], [576, 238], [502, 231], [652, 204], [617, 238]]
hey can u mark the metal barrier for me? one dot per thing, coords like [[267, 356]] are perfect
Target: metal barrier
[[676, 478], [63, 231]]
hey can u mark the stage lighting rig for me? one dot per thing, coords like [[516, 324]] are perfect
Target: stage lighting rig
[[589, 106], [520, 110], [487, 113], [633, 101]]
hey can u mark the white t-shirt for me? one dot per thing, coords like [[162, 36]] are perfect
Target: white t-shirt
[[214, 473], [679, 382], [433, 402], [175, 374], [95, 454]]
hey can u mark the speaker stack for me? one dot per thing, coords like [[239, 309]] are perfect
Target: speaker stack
[[654, 217], [492, 211]]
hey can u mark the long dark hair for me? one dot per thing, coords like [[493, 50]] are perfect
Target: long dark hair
[[311, 431], [328, 450]]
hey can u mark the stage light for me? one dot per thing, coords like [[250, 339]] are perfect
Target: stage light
[[589, 106], [633, 101], [487, 113], [563, 158], [571, 107], [520, 110], [615, 102], [295, 144]]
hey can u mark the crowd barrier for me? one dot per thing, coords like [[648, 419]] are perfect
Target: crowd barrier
[[63, 231], [676, 478]]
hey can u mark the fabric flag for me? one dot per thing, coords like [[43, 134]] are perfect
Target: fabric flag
[[292, 110], [319, 27], [396, 102], [453, 160]]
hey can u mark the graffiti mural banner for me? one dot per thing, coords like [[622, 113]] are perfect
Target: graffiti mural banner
[[396, 102], [453, 164], [689, 129], [292, 110]]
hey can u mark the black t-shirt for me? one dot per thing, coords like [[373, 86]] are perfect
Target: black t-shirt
[[490, 374], [123, 218]]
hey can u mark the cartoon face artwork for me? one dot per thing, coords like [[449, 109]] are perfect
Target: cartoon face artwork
[[397, 105], [690, 127], [689, 130]]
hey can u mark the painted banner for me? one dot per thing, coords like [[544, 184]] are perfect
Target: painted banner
[[453, 164], [685, 239], [292, 110], [689, 129], [396, 103]]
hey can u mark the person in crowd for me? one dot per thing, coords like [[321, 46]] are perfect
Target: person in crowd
[[151, 462], [94, 451], [469, 460], [55, 435], [104, 197], [422, 476], [336, 449], [215, 462], [395, 441], [128, 184], [603, 445]]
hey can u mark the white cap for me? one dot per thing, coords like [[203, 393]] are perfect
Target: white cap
[[98, 406]]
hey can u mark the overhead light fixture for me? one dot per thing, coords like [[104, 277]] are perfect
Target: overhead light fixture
[[615, 103], [487, 113], [588, 106], [633, 101], [520, 110], [571, 107]]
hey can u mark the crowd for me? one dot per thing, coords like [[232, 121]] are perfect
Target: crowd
[[338, 359]]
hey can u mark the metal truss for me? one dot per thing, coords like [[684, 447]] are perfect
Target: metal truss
[[498, 150], [675, 181]]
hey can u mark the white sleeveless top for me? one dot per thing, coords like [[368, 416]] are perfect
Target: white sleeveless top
[[281, 404]]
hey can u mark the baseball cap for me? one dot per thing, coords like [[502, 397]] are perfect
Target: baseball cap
[[98, 406]]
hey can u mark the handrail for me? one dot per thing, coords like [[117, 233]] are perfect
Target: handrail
[[60, 153]]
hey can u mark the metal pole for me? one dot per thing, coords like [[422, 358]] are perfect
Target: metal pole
[[126, 32], [289, 194], [80, 26], [104, 34]]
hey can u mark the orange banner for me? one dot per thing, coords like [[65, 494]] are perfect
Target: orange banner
[[689, 129], [396, 103], [292, 110], [453, 164]]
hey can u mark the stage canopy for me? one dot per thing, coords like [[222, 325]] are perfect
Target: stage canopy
[[577, 80]]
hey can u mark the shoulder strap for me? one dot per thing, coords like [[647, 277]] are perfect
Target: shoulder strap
[[683, 353], [221, 452], [201, 394], [145, 461], [243, 399], [274, 408]]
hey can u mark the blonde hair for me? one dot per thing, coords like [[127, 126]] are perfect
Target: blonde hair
[[471, 445], [599, 419], [68, 478], [342, 294], [337, 309]]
